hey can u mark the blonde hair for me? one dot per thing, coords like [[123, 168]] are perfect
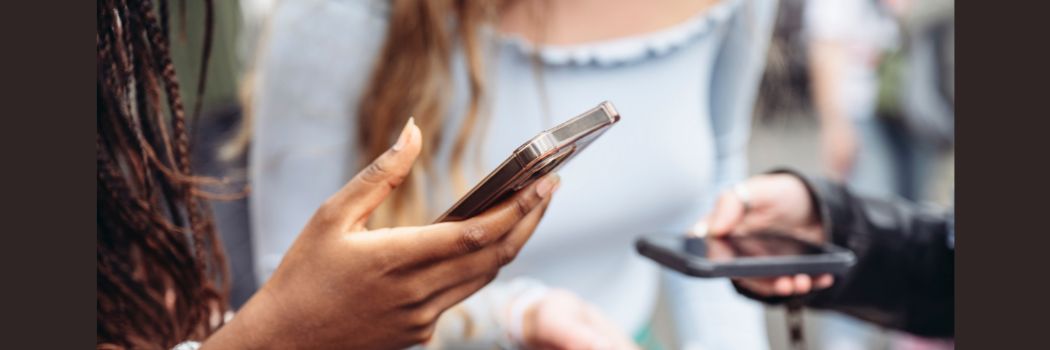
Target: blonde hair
[[412, 78]]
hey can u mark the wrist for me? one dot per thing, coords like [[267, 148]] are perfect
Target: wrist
[[231, 336], [254, 327]]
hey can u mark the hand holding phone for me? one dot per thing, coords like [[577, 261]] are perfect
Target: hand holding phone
[[765, 234], [775, 202]]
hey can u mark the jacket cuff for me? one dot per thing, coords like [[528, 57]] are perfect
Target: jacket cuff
[[829, 201]]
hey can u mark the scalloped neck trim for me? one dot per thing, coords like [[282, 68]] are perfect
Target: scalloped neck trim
[[629, 48]]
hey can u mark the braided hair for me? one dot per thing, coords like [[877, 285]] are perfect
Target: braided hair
[[161, 272]]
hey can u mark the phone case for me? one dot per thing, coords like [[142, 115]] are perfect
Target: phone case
[[545, 153]]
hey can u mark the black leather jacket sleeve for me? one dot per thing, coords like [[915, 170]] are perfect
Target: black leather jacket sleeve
[[905, 270]]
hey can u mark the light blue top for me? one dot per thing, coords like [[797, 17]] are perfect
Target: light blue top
[[685, 94]]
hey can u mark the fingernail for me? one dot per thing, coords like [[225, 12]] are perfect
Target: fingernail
[[406, 134], [547, 185]]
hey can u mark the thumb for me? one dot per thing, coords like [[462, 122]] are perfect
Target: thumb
[[728, 212], [359, 197]]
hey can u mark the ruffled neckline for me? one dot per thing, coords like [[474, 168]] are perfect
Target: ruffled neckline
[[626, 49]]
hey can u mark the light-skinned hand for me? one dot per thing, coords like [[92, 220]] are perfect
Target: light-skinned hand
[[777, 202]]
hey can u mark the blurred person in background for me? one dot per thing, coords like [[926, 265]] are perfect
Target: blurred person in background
[[335, 79], [882, 74], [884, 120], [847, 40], [926, 91], [917, 93], [162, 278]]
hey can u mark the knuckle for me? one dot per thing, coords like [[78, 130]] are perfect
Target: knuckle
[[420, 294], [424, 317], [489, 278], [415, 294], [522, 205], [472, 238], [506, 253], [375, 171], [327, 212], [378, 172], [423, 335], [430, 315]]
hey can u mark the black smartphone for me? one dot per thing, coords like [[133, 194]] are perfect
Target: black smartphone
[[539, 156], [764, 254]]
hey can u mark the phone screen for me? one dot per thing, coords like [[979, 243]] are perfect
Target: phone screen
[[750, 246]]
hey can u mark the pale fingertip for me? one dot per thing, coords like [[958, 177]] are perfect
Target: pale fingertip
[[803, 284], [783, 286], [825, 281]]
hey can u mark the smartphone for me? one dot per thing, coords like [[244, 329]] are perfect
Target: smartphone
[[539, 156], [764, 254]]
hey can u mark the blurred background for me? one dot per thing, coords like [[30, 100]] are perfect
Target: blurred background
[[861, 90]]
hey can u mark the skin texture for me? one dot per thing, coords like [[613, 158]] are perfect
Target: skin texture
[[778, 202], [343, 287]]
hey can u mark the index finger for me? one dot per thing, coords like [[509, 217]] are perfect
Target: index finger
[[728, 212], [458, 238], [501, 218]]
